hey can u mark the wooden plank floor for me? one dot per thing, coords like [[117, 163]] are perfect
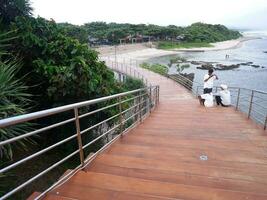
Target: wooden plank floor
[[159, 159]]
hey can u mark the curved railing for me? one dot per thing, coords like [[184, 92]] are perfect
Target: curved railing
[[126, 68], [251, 102], [131, 108]]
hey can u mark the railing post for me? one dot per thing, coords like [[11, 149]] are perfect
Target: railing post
[[150, 99], [237, 100], [197, 91], [120, 110], [140, 113], [265, 123], [79, 138], [157, 95], [250, 103]]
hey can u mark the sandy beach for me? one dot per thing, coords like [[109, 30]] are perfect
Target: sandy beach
[[144, 51], [217, 46]]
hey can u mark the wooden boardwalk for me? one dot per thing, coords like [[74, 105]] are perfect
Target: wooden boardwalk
[[160, 158]]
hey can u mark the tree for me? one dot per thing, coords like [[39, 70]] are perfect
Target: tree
[[10, 9]]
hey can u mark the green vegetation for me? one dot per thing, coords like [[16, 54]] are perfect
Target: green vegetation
[[157, 68], [180, 68], [14, 98], [179, 45], [56, 67], [163, 69], [177, 59], [51, 66], [195, 35]]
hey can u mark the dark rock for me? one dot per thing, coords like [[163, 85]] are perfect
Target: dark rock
[[226, 67], [196, 62], [264, 51], [246, 63], [255, 66], [206, 66], [193, 62]]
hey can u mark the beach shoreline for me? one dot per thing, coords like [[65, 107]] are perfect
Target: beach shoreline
[[217, 46], [144, 51]]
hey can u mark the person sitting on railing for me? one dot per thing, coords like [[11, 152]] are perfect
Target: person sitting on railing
[[223, 97], [206, 100], [208, 81]]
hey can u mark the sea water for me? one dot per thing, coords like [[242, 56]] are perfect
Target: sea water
[[244, 76]]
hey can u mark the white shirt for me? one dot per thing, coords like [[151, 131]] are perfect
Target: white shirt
[[209, 83], [226, 97], [208, 99]]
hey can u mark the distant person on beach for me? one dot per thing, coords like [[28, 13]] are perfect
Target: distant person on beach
[[208, 81], [223, 98], [206, 100]]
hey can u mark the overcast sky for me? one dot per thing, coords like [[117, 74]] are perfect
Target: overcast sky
[[233, 13]]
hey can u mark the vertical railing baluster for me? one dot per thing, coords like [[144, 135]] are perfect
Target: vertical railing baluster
[[250, 104], [197, 91], [158, 94], [237, 100], [150, 99], [79, 138], [265, 123], [140, 113], [155, 96], [147, 101], [120, 116]]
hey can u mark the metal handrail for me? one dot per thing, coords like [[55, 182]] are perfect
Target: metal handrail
[[125, 69], [52, 111], [140, 103]]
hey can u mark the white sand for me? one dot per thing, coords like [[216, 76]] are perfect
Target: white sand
[[217, 46], [142, 52]]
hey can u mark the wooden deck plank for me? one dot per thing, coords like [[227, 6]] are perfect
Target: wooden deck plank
[[157, 188], [178, 166], [180, 178], [159, 159]]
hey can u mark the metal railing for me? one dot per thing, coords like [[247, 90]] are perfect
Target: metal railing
[[127, 67], [131, 108], [251, 102]]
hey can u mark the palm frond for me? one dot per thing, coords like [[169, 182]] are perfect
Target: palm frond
[[14, 100]]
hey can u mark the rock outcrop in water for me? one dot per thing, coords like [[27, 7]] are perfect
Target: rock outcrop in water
[[219, 66], [208, 65], [255, 66]]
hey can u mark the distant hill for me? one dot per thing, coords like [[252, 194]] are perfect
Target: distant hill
[[112, 32]]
